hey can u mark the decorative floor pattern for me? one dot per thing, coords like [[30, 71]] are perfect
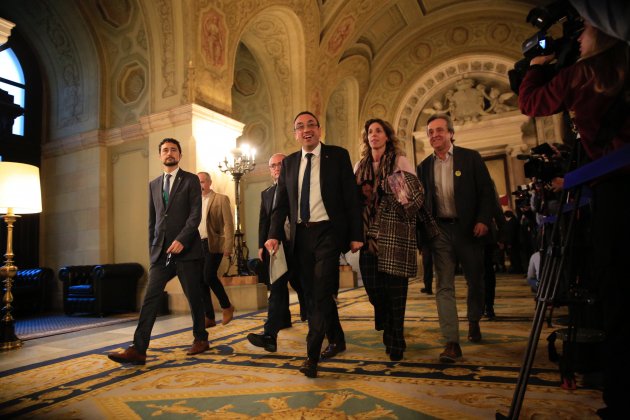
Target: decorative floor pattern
[[238, 381]]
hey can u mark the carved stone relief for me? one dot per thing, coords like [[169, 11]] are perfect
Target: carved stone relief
[[455, 39], [116, 13], [131, 83], [167, 38], [70, 107], [245, 82], [469, 100]]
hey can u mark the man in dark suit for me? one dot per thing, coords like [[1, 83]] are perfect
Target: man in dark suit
[[460, 195], [175, 250], [278, 314], [318, 192]]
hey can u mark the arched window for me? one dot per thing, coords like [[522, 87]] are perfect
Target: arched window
[[12, 81]]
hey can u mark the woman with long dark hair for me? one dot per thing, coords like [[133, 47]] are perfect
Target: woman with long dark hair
[[392, 196]]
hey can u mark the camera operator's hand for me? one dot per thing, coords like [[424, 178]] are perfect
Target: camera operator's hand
[[480, 230], [542, 59]]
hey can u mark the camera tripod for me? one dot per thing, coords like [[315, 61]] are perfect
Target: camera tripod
[[553, 262], [556, 261]]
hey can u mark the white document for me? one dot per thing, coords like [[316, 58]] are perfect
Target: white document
[[277, 264]]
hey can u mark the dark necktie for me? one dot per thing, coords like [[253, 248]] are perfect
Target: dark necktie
[[167, 189], [275, 194], [305, 207]]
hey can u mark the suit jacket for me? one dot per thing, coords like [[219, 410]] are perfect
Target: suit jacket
[[475, 199], [264, 219], [219, 224], [179, 220], [339, 194]]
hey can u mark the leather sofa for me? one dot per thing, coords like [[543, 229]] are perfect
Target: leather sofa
[[100, 289], [29, 289]]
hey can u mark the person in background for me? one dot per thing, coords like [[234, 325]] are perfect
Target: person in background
[[595, 91], [388, 257], [174, 250], [316, 190], [278, 313], [217, 234], [460, 196]]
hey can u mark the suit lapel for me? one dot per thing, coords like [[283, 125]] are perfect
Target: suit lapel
[[457, 170], [323, 168], [269, 198], [211, 196]]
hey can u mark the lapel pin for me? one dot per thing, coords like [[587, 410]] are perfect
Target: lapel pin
[[458, 173]]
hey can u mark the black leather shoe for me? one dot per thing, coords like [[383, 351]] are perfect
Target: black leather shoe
[[309, 368], [396, 356], [265, 341], [474, 332], [332, 350], [426, 290]]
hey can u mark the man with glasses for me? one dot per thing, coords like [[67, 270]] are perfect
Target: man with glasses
[[278, 313], [174, 249], [317, 191]]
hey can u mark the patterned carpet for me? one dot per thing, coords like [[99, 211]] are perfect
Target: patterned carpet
[[44, 326], [238, 381]]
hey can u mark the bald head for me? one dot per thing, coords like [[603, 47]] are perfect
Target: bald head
[[275, 164], [206, 181]]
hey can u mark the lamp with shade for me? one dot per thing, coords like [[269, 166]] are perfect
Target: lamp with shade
[[20, 193]]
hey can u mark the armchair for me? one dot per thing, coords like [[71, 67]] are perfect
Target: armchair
[[100, 289], [29, 289]]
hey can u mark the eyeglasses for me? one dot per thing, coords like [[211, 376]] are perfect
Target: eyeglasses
[[310, 125], [275, 165]]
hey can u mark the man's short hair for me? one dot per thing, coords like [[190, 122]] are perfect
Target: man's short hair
[[306, 113], [170, 140], [206, 174], [445, 117]]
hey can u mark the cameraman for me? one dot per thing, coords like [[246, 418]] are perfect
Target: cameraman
[[595, 91]]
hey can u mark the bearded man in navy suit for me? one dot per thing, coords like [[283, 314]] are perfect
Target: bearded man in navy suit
[[174, 249], [317, 191]]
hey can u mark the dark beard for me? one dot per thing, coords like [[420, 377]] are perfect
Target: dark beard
[[171, 163]]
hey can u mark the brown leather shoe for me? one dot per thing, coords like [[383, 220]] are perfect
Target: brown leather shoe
[[198, 346], [474, 332], [210, 322], [452, 353], [332, 350], [228, 314], [130, 355], [309, 368]]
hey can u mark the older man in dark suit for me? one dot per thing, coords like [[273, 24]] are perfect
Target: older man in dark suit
[[318, 192], [460, 195], [278, 313], [175, 250]]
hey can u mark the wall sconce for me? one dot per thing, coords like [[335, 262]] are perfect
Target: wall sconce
[[20, 193]]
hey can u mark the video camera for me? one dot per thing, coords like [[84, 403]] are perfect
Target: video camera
[[566, 48], [544, 163], [522, 195]]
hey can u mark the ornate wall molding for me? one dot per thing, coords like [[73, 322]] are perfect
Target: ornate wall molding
[[444, 78], [396, 75]]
